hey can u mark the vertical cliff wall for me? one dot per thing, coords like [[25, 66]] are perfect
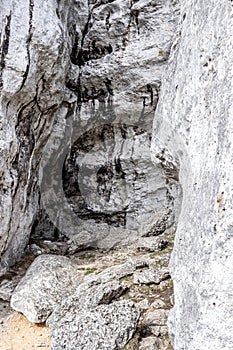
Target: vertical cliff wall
[[34, 46], [87, 74], [194, 125]]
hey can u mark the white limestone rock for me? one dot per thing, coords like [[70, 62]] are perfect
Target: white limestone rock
[[149, 343], [156, 322], [106, 327], [79, 65], [112, 189], [194, 123], [34, 45], [80, 310], [151, 275], [151, 244], [48, 281]]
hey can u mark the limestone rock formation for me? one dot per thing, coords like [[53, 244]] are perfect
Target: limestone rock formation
[[194, 122], [34, 45], [151, 276], [151, 243], [79, 313], [149, 343], [108, 177], [79, 85]]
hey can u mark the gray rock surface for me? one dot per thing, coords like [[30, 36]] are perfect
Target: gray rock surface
[[107, 327], [194, 122], [84, 76], [34, 45], [48, 281], [6, 289], [151, 244], [151, 275], [149, 343], [78, 310], [79, 65], [95, 285], [108, 178], [156, 322]]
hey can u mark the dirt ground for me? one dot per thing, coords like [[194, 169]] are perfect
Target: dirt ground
[[17, 333]]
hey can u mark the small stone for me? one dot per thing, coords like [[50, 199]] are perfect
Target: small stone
[[159, 223], [143, 304], [151, 276], [151, 244], [159, 331], [157, 318], [42, 345], [158, 304], [149, 343]]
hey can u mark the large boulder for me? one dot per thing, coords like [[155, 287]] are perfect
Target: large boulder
[[83, 312], [48, 281], [106, 327]]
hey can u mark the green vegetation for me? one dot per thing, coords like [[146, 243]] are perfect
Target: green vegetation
[[87, 256], [127, 278], [90, 270]]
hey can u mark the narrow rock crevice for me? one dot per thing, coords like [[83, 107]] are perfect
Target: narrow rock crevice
[[5, 46], [28, 42]]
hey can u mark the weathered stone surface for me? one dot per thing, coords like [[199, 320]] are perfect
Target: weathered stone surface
[[108, 178], [159, 222], [6, 289], [151, 244], [149, 343], [156, 321], [106, 327], [194, 122], [34, 45], [98, 280], [88, 61], [86, 77], [151, 275], [54, 287], [157, 318], [48, 281], [89, 295], [96, 289]]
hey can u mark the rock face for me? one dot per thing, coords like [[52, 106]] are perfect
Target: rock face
[[108, 177], [34, 46], [194, 121], [84, 76]]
